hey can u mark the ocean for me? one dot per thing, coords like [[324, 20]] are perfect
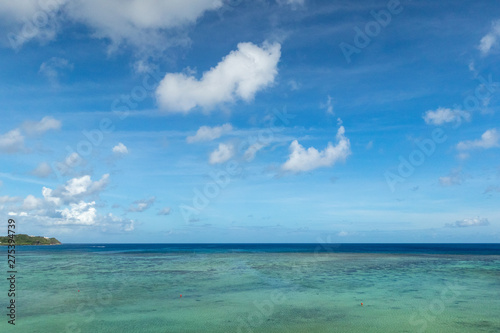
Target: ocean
[[246, 288]]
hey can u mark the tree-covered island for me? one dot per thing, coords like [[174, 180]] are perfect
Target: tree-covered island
[[23, 239]]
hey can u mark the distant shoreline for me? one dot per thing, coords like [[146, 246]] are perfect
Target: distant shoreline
[[23, 239]]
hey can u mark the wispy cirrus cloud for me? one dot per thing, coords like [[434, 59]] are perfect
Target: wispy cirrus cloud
[[474, 222], [206, 133], [490, 40], [141, 205], [164, 211], [47, 123], [53, 68], [11, 142], [455, 177]]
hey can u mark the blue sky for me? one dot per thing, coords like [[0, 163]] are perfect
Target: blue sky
[[251, 121]]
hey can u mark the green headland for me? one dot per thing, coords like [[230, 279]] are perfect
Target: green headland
[[23, 239]]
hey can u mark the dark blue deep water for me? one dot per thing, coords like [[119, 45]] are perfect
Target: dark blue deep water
[[394, 248]]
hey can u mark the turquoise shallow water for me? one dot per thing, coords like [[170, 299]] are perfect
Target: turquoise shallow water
[[107, 288]]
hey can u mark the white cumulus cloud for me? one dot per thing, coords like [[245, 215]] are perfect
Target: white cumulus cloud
[[240, 75], [489, 139], [120, 149], [82, 213], [140, 23], [76, 189], [206, 133], [222, 154], [144, 24], [301, 159], [445, 115]]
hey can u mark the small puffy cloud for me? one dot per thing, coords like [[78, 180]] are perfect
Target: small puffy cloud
[[114, 224], [65, 167], [72, 159], [490, 39], [164, 211], [11, 142], [42, 170], [475, 222], [223, 153], [39, 127], [120, 149], [16, 214], [301, 159], [81, 213], [294, 85], [32, 203], [249, 154], [454, 178], [489, 139], [206, 133], [445, 115], [128, 226], [328, 105], [141, 205], [293, 3], [240, 75], [472, 67], [53, 68]]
